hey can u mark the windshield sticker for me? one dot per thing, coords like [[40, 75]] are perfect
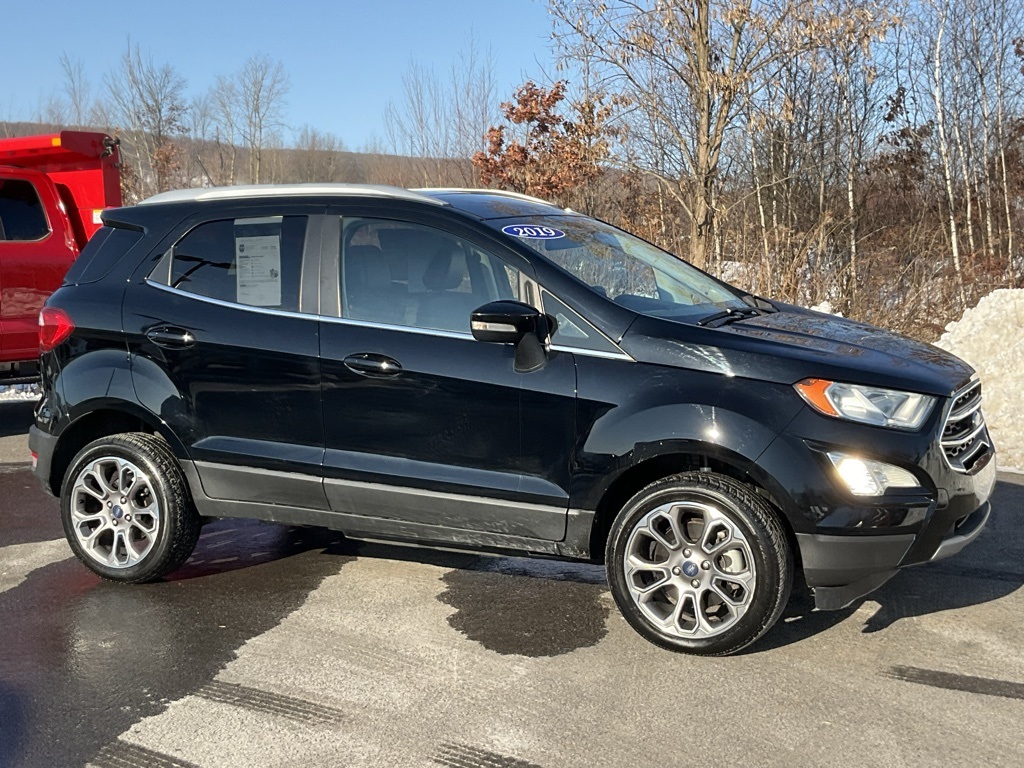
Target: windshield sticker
[[533, 232]]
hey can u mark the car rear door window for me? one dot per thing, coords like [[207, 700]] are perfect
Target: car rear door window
[[254, 261]]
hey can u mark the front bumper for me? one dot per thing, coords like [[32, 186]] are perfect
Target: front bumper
[[850, 546], [860, 565]]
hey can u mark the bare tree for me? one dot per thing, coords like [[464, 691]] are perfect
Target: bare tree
[[688, 71], [148, 104], [938, 94], [77, 90], [317, 155], [442, 121], [262, 87], [225, 104]]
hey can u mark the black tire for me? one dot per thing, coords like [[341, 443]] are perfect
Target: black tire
[[175, 524], [765, 540]]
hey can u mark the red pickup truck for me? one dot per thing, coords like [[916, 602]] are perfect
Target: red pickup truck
[[52, 190]]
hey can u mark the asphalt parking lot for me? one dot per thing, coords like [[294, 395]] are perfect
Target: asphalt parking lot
[[277, 646]]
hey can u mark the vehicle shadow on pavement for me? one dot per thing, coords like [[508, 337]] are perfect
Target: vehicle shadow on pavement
[[233, 544], [989, 569], [514, 606], [84, 659], [16, 417]]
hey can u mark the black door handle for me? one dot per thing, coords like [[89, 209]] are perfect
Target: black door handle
[[171, 338], [368, 364]]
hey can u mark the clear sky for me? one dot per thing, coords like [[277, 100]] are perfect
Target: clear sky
[[345, 58]]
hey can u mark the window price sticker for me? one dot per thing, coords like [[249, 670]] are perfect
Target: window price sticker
[[258, 270]]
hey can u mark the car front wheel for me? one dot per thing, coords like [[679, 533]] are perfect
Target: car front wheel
[[699, 563]]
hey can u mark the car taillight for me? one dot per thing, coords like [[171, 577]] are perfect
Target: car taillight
[[54, 327]]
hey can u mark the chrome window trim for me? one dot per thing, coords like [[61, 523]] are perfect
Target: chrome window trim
[[593, 353], [232, 304], [366, 323], [389, 327]]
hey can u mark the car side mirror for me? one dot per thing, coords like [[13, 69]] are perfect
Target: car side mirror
[[513, 322]]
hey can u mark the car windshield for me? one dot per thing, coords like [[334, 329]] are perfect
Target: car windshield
[[622, 267]]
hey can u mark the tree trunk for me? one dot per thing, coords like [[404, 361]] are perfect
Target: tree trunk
[[947, 174]]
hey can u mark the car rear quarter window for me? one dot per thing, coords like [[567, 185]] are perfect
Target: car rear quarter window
[[255, 262], [105, 249]]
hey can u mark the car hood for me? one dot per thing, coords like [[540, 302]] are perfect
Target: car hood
[[795, 343]]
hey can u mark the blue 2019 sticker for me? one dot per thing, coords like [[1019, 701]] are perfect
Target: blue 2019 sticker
[[533, 231]]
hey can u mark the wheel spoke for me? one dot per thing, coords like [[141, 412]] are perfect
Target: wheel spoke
[[661, 580], [90, 540], [703, 625], [84, 519], [99, 497], [657, 535], [725, 597], [132, 554], [126, 480], [112, 554], [710, 543], [99, 473], [677, 610], [137, 523]]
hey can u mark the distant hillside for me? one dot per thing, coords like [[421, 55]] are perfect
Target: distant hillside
[[210, 163]]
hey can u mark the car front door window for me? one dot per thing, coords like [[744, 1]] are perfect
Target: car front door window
[[410, 275]]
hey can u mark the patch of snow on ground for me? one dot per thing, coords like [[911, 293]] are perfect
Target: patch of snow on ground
[[20, 392], [991, 338]]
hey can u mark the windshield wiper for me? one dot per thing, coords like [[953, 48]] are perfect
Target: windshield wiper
[[729, 316], [758, 303]]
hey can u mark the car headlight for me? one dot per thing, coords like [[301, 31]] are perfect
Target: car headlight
[[867, 405]]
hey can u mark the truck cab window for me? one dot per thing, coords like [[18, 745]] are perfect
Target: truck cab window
[[21, 212]]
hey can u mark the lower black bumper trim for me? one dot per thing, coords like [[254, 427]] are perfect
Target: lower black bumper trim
[[836, 598]]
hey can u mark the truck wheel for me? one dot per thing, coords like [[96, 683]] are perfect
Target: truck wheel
[[698, 563], [126, 508]]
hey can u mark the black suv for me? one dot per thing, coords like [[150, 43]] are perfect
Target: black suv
[[485, 370]]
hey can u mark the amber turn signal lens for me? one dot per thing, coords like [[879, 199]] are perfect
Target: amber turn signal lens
[[814, 392]]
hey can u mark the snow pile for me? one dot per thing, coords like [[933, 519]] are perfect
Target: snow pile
[[20, 392], [737, 273], [991, 338], [826, 307]]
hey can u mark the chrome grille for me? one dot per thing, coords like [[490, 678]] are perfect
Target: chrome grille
[[964, 438]]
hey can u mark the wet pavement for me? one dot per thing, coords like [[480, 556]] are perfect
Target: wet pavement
[[286, 646]]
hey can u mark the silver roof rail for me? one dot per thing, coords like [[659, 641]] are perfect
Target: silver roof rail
[[501, 192], [288, 190]]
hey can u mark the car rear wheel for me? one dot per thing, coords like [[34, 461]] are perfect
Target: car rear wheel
[[126, 508], [699, 563]]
